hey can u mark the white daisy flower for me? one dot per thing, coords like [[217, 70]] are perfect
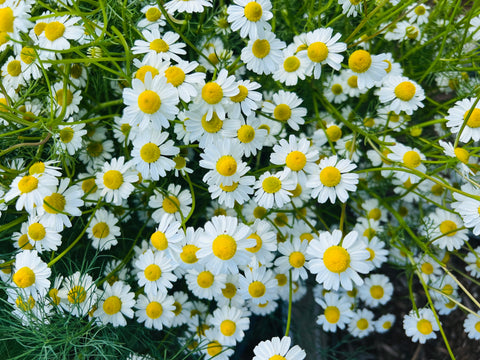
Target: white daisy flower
[[361, 324], [368, 68], [231, 324], [204, 284], [30, 274], [405, 31], [428, 268], [188, 6], [41, 235], [266, 241], [294, 66], [409, 157], [103, 230], [351, 84], [186, 257], [115, 303], [95, 153], [250, 17], [278, 348], [65, 99], [384, 323], [230, 295], [472, 326], [334, 89], [15, 17], [338, 261], [28, 310], [443, 228], [90, 193], [293, 257], [167, 236], [472, 261], [374, 210], [173, 201], [332, 179], [377, 251], [70, 136], [263, 309], [156, 310], [459, 154], [249, 133], [180, 309], [420, 13], [159, 46], [214, 349], [263, 55], [185, 82], [258, 285], [376, 290], [274, 189], [154, 65], [213, 49], [420, 325], [153, 18], [58, 31], [77, 294], [402, 94], [247, 100], [21, 240], [239, 192], [285, 109], [13, 71], [115, 180], [351, 7], [337, 311], [459, 114], [155, 271]]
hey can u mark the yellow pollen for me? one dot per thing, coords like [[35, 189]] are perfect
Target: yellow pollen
[[113, 179], [281, 279], [317, 52], [205, 279], [447, 227], [412, 159], [332, 314], [474, 119], [353, 81], [140, 74], [427, 268], [296, 259], [462, 155], [212, 93], [261, 48], [27, 184], [89, 186], [242, 94], [375, 214], [277, 357], [214, 348], [24, 277], [229, 188], [150, 153], [154, 310], [213, 58], [336, 259], [224, 247], [159, 240], [66, 134], [149, 102], [424, 326], [178, 308], [296, 160], [376, 291], [77, 295], [54, 203], [6, 20], [213, 125], [291, 64], [189, 254], [100, 230], [420, 10], [152, 272], [159, 45], [14, 68], [171, 204], [60, 97], [334, 133], [330, 176], [259, 212], [36, 231], [3, 37], [229, 290], [226, 165], [360, 61], [337, 89], [227, 327], [23, 243], [256, 289], [246, 134], [306, 236], [271, 185], [175, 75], [54, 30], [253, 11], [405, 91], [153, 14], [112, 305], [282, 112], [371, 254], [447, 289], [362, 324]]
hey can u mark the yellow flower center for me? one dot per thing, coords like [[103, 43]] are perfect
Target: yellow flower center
[[178, 308], [375, 214], [296, 259], [77, 295], [60, 97], [24, 277], [212, 93], [376, 291], [265, 127], [296, 160], [37, 168], [76, 71], [229, 290], [175, 75], [462, 155], [371, 254], [258, 245], [362, 324], [281, 279], [297, 191], [54, 30], [360, 61], [27, 184], [437, 190], [113, 179], [405, 91], [229, 188], [171, 204], [281, 219], [353, 81], [153, 14], [334, 132], [337, 89], [242, 94], [246, 134], [213, 58], [6, 19], [159, 240], [100, 230], [282, 112], [420, 10], [149, 102], [53, 293], [336, 259], [412, 32], [317, 52], [226, 165], [474, 119], [213, 125], [412, 159], [89, 186], [189, 254], [277, 357], [306, 236], [3, 36], [152, 272], [256, 289], [38, 28], [66, 135], [36, 231], [291, 64], [14, 68], [150, 153], [180, 162], [369, 233], [447, 289], [427, 268], [448, 227], [25, 306], [227, 327], [271, 184], [224, 247], [54, 203], [259, 212], [261, 48], [424, 326], [94, 149], [23, 243], [477, 326], [355, 2], [253, 11], [112, 305], [140, 74], [159, 45], [330, 176], [214, 348], [332, 314], [154, 310], [205, 279]]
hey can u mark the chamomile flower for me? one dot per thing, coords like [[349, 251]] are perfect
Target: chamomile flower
[[103, 230], [472, 326], [294, 66], [30, 274], [472, 261], [230, 295], [250, 17], [239, 192], [204, 283], [115, 180], [336, 311], [293, 257], [174, 201], [274, 189], [444, 229], [263, 55], [277, 348], [405, 31], [368, 68], [402, 94], [41, 235], [258, 285], [90, 193], [464, 111], [15, 20], [183, 80], [188, 6], [249, 133], [334, 89], [159, 46], [459, 154], [77, 294], [246, 101], [428, 268], [155, 271], [350, 7], [231, 323], [95, 153], [420, 325], [376, 290], [65, 99], [180, 309], [155, 309], [115, 303], [58, 31], [361, 324], [167, 236], [332, 179], [152, 102], [420, 13], [338, 264], [70, 136], [377, 251], [13, 73], [409, 157], [285, 109], [384, 323], [153, 18], [266, 241]]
